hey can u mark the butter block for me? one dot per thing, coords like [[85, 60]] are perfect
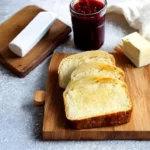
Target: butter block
[[137, 49]]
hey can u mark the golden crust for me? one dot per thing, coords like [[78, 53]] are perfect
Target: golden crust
[[113, 119]]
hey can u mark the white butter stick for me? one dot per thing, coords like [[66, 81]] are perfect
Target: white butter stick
[[32, 33]]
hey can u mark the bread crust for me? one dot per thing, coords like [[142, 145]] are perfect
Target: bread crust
[[113, 119]]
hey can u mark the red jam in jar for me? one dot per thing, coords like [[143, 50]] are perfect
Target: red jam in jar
[[88, 20]]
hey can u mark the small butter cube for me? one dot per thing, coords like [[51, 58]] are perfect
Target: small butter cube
[[137, 49]]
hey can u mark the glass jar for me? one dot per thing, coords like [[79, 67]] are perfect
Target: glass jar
[[88, 28]]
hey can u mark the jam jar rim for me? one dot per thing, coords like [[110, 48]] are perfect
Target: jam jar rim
[[77, 13]]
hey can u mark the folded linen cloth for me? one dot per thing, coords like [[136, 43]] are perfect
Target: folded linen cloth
[[136, 13]]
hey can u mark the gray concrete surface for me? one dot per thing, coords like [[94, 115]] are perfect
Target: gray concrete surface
[[20, 121]]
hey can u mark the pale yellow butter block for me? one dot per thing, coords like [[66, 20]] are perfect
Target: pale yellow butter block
[[137, 49]]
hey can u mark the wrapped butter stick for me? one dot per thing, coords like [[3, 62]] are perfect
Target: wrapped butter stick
[[32, 33]]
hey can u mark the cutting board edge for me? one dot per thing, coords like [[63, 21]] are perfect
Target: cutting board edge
[[95, 135], [25, 72]]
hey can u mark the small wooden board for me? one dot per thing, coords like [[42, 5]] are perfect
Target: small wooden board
[[55, 126], [13, 26]]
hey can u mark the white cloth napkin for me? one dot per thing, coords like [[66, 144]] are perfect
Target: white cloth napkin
[[136, 13]]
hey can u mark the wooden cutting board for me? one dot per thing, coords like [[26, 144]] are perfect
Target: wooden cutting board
[[13, 26], [55, 126]]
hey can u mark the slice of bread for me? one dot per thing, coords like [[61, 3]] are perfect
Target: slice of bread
[[70, 63], [94, 102], [97, 69]]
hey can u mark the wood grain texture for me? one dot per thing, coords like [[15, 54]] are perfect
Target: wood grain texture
[[13, 26], [56, 127]]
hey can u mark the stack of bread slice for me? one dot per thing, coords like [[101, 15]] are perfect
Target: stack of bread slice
[[95, 92]]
